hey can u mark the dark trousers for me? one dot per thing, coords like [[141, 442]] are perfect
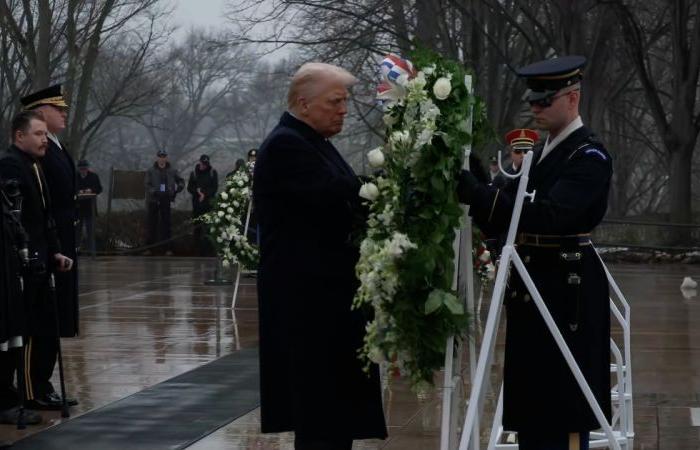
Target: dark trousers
[[542, 440], [201, 241], [43, 353], [158, 220], [9, 361], [88, 223], [302, 443]]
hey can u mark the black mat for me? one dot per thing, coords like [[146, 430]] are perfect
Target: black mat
[[171, 415]]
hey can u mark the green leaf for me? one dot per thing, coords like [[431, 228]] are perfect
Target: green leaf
[[435, 301], [453, 304]]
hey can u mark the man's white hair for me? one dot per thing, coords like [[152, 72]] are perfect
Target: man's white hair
[[308, 81]]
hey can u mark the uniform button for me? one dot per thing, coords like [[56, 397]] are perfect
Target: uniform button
[[526, 259], [527, 297], [513, 294]]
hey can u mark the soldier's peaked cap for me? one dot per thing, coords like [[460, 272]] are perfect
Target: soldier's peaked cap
[[553, 74], [50, 96], [523, 138]]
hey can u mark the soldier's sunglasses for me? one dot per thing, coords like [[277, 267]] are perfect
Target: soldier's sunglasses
[[519, 151], [546, 102]]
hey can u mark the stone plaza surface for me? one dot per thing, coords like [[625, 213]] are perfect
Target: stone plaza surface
[[145, 320]]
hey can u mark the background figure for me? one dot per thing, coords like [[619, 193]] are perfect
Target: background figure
[[21, 163], [306, 196], [202, 185], [61, 179], [494, 170], [89, 187], [163, 183], [240, 165]]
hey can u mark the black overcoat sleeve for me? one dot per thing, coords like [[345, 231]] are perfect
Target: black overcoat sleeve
[[582, 182]]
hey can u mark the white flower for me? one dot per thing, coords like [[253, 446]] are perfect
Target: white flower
[[224, 196], [221, 214], [219, 240], [369, 191], [429, 110], [225, 263], [419, 82], [424, 138], [376, 157], [429, 70], [229, 210], [442, 88], [399, 138], [486, 256], [236, 204], [490, 271], [241, 183], [402, 80]]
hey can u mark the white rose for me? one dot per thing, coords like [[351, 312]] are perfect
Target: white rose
[[376, 158], [486, 256], [225, 263], [241, 183], [442, 88], [229, 210], [220, 214], [389, 120], [429, 70], [224, 196], [369, 191], [236, 204]]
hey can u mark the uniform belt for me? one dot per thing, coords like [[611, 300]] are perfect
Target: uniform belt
[[553, 241]]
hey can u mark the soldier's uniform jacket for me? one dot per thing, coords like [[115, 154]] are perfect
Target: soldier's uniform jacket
[[59, 168], [40, 228], [571, 184]]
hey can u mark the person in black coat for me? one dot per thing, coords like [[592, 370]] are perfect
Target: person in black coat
[[305, 196], [202, 185], [571, 173], [59, 169], [89, 187], [21, 164]]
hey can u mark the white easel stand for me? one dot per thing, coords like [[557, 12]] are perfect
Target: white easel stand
[[239, 266]]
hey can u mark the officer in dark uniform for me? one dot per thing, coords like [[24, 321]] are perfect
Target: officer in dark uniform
[[21, 164], [89, 187], [571, 173], [59, 169]]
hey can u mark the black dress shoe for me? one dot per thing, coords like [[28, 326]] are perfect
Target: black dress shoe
[[50, 402], [11, 416]]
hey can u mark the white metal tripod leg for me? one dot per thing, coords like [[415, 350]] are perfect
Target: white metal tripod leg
[[237, 283], [497, 427]]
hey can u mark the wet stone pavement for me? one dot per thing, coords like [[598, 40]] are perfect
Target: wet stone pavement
[[146, 320]]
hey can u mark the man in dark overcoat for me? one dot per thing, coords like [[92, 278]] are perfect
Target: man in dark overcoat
[[202, 185], [59, 169], [306, 195], [571, 174], [21, 163], [89, 187]]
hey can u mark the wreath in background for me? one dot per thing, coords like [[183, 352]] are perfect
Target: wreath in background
[[225, 223]]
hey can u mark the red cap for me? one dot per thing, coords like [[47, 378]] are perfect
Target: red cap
[[522, 138]]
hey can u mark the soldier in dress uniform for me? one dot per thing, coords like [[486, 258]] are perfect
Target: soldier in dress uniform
[[59, 169], [571, 173], [21, 164]]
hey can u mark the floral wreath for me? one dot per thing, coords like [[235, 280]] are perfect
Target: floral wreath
[[226, 221], [406, 260]]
